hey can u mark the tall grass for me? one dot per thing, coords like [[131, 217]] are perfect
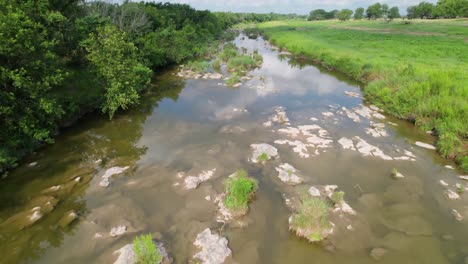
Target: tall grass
[[416, 72], [240, 190]]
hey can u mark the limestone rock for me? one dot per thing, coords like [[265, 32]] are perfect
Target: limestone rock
[[214, 248]]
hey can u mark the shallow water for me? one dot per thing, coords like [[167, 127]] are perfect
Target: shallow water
[[190, 126]]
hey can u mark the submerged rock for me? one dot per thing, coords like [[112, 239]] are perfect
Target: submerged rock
[[424, 145], [214, 248], [118, 231], [109, 173], [377, 253], [192, 182], [280, 117], [287, 174], [463, 177], [299, 147], [67, 219], [457, 215], [263, 152], [452, 195]]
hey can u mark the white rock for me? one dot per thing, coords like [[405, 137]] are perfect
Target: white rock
[[287, 174], [109, 173], [192, 182], [214, 249], [443, 183], [208, 198], [263, 148], [126, 255], [36, 215], [424, 145], [280, 116], [367, 149], [452, 195], [457, 215], [299, 147], [352, 94], [319, 142], [327, 114], [346, 208], [449, 167], [118, 231], [290, 131], [346, 143], [267, 124], [330, 189], [98, 235], [313, 191], [314, 119], [32, 164], [398, 175], [463, 177]]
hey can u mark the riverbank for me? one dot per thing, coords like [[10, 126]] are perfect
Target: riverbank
[[413, 70]]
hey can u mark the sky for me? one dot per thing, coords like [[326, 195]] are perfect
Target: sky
[[289, 6]]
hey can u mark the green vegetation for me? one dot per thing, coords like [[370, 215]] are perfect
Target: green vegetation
[[337, 197], [240, 189], [198, 66], [263, 158], [394, 172], [233, 79], [344, 14], [146, 251], [311, 219], [413, 71], [460, 189], [60, 61]]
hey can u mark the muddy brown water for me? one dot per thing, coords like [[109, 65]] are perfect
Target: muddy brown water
[[190, 125]]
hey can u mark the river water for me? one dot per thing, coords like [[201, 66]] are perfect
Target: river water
[[185, 126]]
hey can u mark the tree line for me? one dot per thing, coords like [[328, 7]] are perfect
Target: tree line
[[443, 9], [62, 59]]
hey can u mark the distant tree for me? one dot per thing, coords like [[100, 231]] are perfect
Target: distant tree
[[411, 12], [359, 13], [344, 14], [393, 13], [317, 14], [424, 10], [332, 14], [451, 8], [374, 11], [385, 10]]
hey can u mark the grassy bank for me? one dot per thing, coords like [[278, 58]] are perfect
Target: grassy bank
[[414, 70]]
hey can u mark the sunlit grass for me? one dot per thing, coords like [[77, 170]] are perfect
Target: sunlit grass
[[415, 71]]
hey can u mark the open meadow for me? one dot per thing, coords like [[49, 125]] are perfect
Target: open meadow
[[414, 69]]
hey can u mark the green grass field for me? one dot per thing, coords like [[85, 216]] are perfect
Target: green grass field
[[414, 70]]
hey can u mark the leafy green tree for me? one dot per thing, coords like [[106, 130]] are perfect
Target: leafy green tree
[[359, 13], [385, 10], [116, 63], [29, 70], [393, 13], [451, 8], [422, 10], [345, 14], [318, 14], [374, 11]]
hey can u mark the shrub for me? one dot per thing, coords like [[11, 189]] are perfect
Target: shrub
[[240, 190], [198, 66], [216, 65], [337, 197], [234, 79], [263, 157], [311, 220], [241, 63], [146, 251]]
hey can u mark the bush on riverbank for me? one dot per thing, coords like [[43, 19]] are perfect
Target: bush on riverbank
[[413, 72]]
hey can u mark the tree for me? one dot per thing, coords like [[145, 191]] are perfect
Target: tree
[[344, 14], [451, 8], [424, 10], [317, 14], [385, 10], [393, 13], [30, 69], [374, 11], [359, 13], [116, 63], [332, 14], [411, 12]]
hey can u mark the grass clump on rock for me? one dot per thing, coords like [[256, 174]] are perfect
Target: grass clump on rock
[[233, 80], [198, 66], [311, 219], [146, 251], [240, 189]]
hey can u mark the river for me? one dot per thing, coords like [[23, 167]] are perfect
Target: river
[[186, 126]]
